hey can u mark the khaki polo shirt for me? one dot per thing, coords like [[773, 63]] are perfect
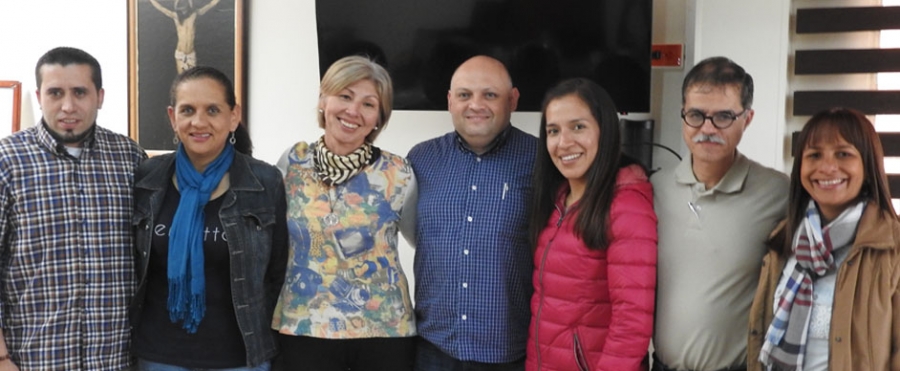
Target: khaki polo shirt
[[711, 245]]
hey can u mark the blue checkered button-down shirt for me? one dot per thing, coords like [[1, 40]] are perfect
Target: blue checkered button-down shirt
[[473, 262], [66, 261]]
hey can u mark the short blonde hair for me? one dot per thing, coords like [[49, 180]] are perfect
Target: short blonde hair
[[348, 70]]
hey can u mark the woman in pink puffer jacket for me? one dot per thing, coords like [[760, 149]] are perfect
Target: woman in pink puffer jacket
[[594, 232]]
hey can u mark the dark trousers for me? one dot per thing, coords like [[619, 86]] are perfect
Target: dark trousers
[[371, 354], [659, 366], [430, 358]]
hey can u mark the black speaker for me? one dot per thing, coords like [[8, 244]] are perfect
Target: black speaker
[[637, 140]]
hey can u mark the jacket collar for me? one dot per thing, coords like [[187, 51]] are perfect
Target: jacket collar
[[561, 194], [625, 175], [240, 174], [732, 182], [877, 230]]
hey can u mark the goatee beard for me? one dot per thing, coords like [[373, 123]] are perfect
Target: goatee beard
[[69, 137]]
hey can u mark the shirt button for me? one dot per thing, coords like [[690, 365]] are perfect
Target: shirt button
[[474, 187], [466, 251], [469, 218], [478, 159], [465, 285], [464, 317]]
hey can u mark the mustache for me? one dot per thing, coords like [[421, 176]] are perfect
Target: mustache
[[699, 138]]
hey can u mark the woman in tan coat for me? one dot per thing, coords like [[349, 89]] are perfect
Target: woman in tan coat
[[828, 292]]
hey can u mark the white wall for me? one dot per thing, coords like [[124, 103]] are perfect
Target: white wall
[[31, 28], [669, 20]]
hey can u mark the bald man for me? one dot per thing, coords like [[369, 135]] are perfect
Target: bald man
[[473, 261]]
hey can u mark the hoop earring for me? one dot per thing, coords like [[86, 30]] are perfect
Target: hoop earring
[[231, 139], [175, 140]]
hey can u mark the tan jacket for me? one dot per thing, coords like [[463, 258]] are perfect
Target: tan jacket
[[865, 321]]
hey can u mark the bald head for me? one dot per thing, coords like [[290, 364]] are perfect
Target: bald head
[[481, 100], [485, 66]]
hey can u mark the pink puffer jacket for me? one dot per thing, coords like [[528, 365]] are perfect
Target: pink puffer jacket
[[593, 309]]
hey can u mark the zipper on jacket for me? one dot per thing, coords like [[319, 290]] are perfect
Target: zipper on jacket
[[537, 316], [578, 352], [562, 215]]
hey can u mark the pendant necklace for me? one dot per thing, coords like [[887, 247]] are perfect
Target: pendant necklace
[[331, 219]]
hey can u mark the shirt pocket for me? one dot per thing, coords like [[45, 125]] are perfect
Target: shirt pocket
[[141, 226], [259, 226]]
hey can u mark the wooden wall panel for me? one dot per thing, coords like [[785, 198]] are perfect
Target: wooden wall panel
[[817, 20], [870, 102], [811, 62]]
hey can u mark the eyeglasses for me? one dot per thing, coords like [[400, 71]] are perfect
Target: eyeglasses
[[721, 120]]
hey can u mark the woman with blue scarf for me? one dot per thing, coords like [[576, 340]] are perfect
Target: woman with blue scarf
[[829, 290], [211, 239]]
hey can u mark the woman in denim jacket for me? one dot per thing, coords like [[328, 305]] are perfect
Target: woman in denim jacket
[[211, 239]]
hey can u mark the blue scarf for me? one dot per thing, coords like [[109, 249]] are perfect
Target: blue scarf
[[187, 284]]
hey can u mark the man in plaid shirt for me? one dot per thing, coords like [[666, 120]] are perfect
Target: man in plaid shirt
[[66, 261]]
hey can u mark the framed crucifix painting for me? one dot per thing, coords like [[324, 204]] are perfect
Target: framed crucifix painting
[[166, 37]]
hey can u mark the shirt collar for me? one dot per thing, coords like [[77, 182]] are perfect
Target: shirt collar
[[498, 141], [732, 182]]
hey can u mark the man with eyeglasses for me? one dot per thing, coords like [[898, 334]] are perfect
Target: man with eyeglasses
[[715, 210]]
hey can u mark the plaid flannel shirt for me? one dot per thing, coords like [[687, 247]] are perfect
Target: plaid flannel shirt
[[66, 261]]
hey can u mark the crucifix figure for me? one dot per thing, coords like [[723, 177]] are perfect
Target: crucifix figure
[[185, 17]]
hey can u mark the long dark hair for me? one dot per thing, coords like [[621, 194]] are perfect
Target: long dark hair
[[593, 210], [242, 141], [856, 129]]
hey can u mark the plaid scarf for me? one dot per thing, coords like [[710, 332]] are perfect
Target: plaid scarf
[[334, 169], [813, 245]]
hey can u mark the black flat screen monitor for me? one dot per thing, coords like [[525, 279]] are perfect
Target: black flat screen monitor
[[421, 42]]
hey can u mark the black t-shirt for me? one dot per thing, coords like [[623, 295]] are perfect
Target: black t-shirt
[[217, 342]]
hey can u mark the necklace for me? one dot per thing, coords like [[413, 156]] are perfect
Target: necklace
[[331, 219]]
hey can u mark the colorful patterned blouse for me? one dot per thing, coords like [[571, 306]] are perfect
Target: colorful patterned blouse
[[344, 278]]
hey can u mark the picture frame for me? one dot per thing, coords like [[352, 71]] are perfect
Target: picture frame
[[167, 36], [10, 105]]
